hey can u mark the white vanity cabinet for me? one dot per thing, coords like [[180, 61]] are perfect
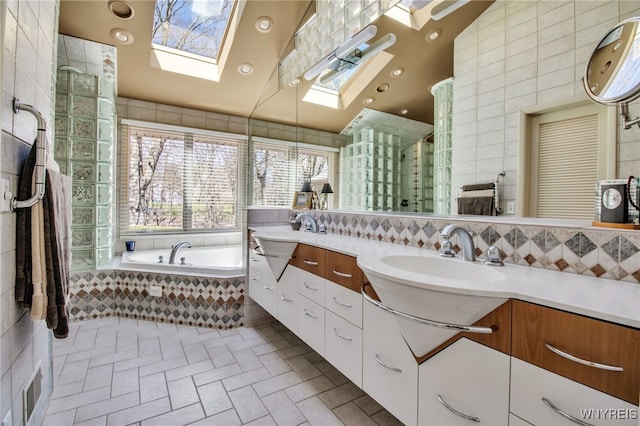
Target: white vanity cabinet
[[287, 298], [389, 369], [262, 283], [464, 383], [531, 386]]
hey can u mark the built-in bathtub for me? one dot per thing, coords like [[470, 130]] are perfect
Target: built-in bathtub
[[213, 261]]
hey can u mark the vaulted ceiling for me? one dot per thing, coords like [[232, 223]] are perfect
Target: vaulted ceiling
[[257, 95]]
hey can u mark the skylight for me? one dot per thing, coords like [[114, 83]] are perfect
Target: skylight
[[345, 70], [194, 26]]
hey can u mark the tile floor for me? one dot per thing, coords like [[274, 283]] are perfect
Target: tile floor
[[118, 371]]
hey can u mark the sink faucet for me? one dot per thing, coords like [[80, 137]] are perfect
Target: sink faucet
[[468, 249], [174, 250], [312, 220]]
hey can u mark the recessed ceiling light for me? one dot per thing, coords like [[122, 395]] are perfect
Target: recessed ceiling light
[[120, 9], [245, 68], [121, 35], [404, 111], [382, 88], [433, 35], [264, 24], [397, 72], [369, 101]]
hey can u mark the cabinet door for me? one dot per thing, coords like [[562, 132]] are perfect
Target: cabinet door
[[529, 384], [343, 347], [311, 324], [262, 284], [464, 379], [344, 302], [389, 369], [288, 298]]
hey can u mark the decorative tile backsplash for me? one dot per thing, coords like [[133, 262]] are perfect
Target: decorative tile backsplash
[[613, 254], [196, 301]]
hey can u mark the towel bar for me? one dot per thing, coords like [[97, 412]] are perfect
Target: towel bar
[[41, 156]]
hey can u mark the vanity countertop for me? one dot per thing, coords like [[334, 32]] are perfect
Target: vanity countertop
[[610, 300]]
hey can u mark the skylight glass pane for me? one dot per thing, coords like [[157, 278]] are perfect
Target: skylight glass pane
[[345, 69], [194, 26]]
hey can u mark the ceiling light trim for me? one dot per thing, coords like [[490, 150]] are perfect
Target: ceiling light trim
[[121, 9]]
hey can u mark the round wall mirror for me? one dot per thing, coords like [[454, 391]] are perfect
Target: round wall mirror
[[612, 75]]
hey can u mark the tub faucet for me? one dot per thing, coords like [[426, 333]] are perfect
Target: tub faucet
[[312, 220], [174, 250], [468, 249]]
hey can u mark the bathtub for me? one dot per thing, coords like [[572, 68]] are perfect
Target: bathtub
[[212, 261]]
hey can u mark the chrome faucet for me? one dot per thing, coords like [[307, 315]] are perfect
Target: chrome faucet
[[311, 219], [468, 249], [174, 250]]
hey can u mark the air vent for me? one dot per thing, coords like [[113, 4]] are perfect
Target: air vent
[[31, 395]]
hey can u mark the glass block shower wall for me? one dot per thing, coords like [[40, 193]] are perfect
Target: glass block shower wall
[[442, 127], [416, 177], [84, 149], [370, 172]]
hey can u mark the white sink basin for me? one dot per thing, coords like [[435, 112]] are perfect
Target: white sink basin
[[433, 288], [277, 250]]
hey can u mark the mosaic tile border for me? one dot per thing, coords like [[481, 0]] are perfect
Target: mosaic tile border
[[612, 254], [196, 301]]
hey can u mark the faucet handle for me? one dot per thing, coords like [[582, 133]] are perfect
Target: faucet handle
[[446, 250], [493, 257]]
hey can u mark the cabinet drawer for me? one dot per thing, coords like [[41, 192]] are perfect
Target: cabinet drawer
[[311, 324], [343, 270], [343, 347], [549, 338], [344, 302], [288, 299], [389, 369], [529, 384], [263, 289], [311, 286], [310, 259], [471, 379]]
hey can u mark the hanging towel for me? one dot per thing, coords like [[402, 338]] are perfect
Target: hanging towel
[[57, 229], [24, 284], [476, 205], [478, 186]]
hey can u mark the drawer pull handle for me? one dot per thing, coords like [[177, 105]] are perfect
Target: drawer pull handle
[[309, 287], [342, 274], [343, 337], [582, 361], [268, 288], [310, 262], [308, 314], [346, 305], [283, 297], [456, 412], [257, 250], [387, 366], [253, 259], [564, 414], [429, 322], [253, 278]]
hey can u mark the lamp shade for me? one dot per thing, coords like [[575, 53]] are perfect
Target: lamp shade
[[306, 187], [326, 189]]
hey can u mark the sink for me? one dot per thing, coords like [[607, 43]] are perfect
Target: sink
[[439, 289], [276, 249]]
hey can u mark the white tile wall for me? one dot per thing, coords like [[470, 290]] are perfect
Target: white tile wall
[[28, 63], [518, 54]]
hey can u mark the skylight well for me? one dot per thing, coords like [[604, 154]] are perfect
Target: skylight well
[[188, 35]]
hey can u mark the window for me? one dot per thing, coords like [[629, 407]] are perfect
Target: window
[[280, 168], [178, 180]]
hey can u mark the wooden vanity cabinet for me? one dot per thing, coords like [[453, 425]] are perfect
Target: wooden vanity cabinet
[[542, 335]]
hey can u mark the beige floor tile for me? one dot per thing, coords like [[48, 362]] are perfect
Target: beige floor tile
[[283, 411], [247, 404], [182, 416], [153, 387], [139, 412], [107, 406], [214, 398], [351, 414]]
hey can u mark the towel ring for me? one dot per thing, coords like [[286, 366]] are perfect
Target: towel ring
[[41, 156]]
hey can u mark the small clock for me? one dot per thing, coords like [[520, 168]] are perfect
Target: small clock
[[614, 206]]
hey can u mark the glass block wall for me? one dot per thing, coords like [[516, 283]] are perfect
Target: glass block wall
[[416, 177], [370, 172], [84, 149], [442, 134]]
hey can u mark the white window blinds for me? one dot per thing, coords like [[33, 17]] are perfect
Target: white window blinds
[[178, 180]]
